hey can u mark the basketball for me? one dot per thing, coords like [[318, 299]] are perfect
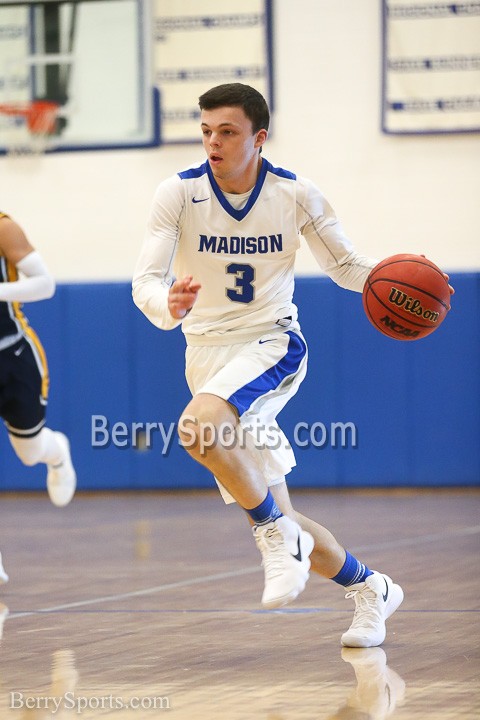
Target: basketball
[[406, 297]]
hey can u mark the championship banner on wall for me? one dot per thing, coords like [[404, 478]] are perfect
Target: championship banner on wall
[[431, 67], [199, 45]]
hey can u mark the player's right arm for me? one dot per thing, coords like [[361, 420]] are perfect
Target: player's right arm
[[182, 296], [36, 282], [163, 301]]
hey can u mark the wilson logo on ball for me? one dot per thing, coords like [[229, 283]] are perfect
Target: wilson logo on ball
[[413, 305]]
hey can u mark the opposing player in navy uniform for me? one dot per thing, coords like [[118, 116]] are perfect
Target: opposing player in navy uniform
[[228, 230], [24, 376]]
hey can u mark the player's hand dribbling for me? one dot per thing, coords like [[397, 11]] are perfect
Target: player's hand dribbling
[[182, 296], [447, 278]]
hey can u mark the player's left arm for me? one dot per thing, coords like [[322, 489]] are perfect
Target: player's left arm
[[329, 244], [327, 240], [36, 282]]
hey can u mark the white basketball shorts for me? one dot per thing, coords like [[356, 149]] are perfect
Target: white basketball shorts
[[258, 378]]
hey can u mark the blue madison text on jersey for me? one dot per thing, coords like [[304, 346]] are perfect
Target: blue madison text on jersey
[[235, 245]]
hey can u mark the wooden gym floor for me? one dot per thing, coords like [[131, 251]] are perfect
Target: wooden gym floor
[[153, 601]]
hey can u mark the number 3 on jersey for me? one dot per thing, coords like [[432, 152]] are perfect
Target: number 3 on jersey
[[244, 290]]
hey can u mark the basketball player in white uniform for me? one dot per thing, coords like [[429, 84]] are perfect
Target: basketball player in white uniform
[[23, 366], [228, 230]]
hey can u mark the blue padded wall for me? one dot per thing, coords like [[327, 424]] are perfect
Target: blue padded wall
[[416, 406]]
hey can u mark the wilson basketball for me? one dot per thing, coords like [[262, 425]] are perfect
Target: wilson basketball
[[406, 297]]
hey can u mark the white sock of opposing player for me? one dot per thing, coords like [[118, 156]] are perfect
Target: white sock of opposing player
[[41, 448]]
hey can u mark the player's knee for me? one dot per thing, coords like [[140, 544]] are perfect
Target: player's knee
[[196, 431], [205, 423], [28, 450]]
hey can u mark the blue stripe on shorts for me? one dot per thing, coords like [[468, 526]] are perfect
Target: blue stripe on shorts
[[245, 396]]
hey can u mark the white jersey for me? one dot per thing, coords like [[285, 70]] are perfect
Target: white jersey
[[243, 258]]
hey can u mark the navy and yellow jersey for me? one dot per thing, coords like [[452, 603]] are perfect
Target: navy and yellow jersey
[[14, 325], [12, 320]]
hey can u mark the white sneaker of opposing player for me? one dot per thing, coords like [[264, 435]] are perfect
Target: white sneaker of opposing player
[[61, 478], [379, 689], [375, 600], [3, 574], [285, 549], [3, 615]]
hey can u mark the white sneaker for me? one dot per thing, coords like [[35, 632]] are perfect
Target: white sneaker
[[375, 600], [3, 615], [3, 574], [379, 689], [61, 478], [285, 549]]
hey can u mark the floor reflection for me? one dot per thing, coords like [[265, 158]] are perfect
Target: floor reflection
[[379, 689], [58, 700], [374, 693]]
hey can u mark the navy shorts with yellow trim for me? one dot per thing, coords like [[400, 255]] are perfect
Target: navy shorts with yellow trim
[[24, 386]]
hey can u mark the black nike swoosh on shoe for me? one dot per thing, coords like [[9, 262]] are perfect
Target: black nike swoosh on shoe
[[298, 556], [386, 594]]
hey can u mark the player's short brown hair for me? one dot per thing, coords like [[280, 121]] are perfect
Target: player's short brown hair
[[238, 95]]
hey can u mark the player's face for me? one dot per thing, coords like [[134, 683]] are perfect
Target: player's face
[[232, 148]]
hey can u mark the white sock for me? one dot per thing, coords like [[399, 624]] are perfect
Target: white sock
[[42, 448]]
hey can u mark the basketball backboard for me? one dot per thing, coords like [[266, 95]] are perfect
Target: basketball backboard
[[92, 59]]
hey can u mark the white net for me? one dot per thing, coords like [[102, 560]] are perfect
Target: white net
[[28, 129]]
